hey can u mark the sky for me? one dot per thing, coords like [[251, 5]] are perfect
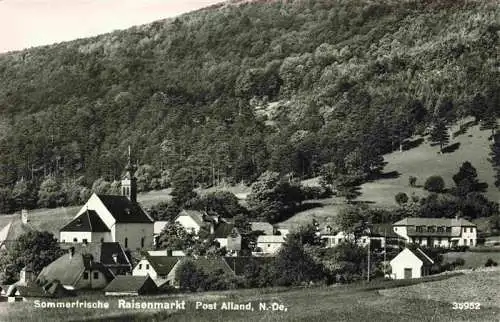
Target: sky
[[29, 23]]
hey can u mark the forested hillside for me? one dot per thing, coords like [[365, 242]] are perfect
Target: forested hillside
[[235, 90]]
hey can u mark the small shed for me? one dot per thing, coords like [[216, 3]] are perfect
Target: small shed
[[411, 264], [130, 285]]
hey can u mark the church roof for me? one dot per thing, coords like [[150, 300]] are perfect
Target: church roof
[[87, 221], [124, 210]]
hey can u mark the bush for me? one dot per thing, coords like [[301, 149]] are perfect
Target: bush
[[434, 184], [401, 198], [490, 263], [316, 192]]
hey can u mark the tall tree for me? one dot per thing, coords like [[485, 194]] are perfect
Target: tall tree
[[495, 158], [439, 134]]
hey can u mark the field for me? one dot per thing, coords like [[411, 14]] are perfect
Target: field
[[472, 259], [479, 287], [342, 303]]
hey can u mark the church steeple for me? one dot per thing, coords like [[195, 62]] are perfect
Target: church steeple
[[129, 181]]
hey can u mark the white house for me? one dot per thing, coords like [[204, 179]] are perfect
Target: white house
[[191, 220], [411, 264], [112, 218], [270, 244], [437, 232], [156, 267]]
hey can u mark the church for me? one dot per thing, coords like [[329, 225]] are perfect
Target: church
[[112, 218]]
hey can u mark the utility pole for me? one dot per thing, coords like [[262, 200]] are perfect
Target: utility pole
[[369, 242]]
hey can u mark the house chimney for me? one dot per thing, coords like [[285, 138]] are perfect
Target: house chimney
[[169, 252], [212, 228], [24, 216], [115, 258], [71, 252]]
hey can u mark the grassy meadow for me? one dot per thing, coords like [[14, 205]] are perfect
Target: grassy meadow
[[335, 303]]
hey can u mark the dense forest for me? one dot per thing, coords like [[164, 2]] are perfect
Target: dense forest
[[230, 92]]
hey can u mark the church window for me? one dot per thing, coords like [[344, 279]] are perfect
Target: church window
[[142, 242], [126, 242], [96, 275]]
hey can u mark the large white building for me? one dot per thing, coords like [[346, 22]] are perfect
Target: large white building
[[437, 232], [112, 218]]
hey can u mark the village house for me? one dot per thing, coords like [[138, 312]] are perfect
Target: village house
[[229, 237], [269, 245], [76, 270], [378, 236], [437, 232], [112, 218], [131, 286], [411, 264], [156, 267]]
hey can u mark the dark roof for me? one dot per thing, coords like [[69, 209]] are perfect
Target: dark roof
[[87, 221], [263, 226], [129, 283], [68, 269], [449, 222], [239, 264], [383, 230], [422, 256], [162, 264], [209, 264], [102, 252], [124, 210], [223, 230]]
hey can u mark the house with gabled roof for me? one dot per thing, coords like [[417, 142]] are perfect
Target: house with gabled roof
[[270, 244], [76, 270], [112, 218], [157, 267], [437, 232], [192, 220], [411, 264], [131, 285]]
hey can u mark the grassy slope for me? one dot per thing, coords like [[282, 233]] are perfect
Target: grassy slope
[[421, 162], [312, 304], [472, 259]]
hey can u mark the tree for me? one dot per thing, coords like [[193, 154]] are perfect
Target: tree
[[50, 194], [176, 237], [190, 277], [434, 184], [355, 220], [466, 180], [412, 181], [295, 266], [24, 194], [347, 186], [401, 198], [495, 158], [222, 203], [183, 186], [274, 198], [166, 211], [34, 248], [439, 134], [306, 235]]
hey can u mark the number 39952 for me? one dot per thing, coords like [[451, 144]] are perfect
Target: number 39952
[[466, 305]]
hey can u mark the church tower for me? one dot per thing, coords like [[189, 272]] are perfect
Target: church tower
[[129, 181]]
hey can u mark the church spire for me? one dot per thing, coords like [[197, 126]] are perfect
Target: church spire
[[129, 181]]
